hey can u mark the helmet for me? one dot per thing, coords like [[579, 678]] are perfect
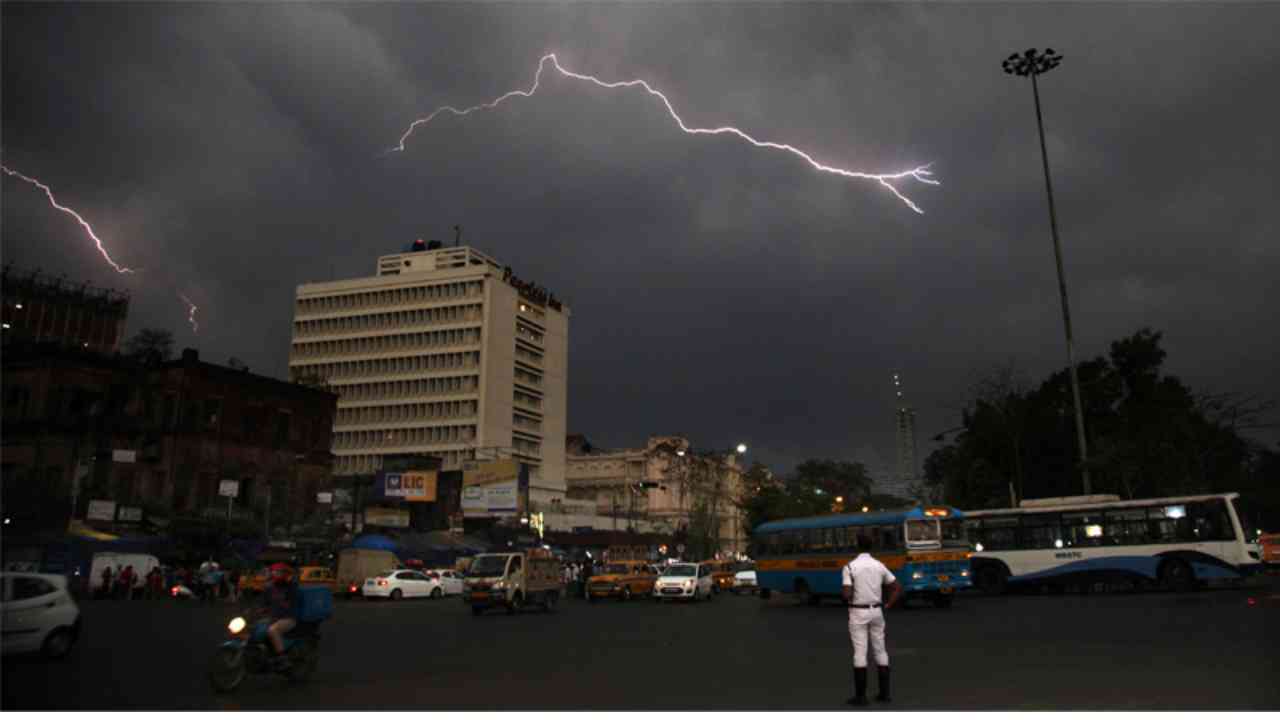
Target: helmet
[[281, 573]]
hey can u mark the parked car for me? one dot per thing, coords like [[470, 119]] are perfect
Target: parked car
[[689, 581], [39, 614], [399, 584], [745, 581]]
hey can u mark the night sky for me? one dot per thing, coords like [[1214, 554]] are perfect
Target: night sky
[[725, 292]]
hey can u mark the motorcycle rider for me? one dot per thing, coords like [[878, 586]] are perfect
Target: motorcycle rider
[[280, 598]]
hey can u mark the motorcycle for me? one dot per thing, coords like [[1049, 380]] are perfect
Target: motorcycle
[[249, 651]]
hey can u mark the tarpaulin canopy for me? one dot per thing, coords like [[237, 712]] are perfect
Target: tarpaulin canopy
[[78, 529], [375, 542]]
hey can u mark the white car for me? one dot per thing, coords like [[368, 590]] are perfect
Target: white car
[[684, 580], [398, 584], [745, 581], [449, 582], [39, 614]]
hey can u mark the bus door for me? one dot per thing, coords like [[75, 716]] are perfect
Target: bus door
[[1214, 532]]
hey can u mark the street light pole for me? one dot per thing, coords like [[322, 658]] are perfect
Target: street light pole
[[1033, 64]]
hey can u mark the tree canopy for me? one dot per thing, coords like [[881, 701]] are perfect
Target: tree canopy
[[150, 341]]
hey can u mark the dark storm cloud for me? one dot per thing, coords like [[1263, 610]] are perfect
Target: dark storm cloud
[[717, 290]]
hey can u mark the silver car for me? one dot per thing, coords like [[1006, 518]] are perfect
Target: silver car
[[688, 581]]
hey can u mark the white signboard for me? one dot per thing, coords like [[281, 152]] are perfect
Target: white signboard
[[229, 488], [130, 514], [496, 499], [102, 510], [324, 498], [124, 456]]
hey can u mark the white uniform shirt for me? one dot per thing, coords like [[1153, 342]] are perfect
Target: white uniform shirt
[[866, 575]]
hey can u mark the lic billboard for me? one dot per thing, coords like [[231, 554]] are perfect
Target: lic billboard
[[416, 486]]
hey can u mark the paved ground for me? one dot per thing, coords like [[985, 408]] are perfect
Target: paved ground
[[1209, 650]]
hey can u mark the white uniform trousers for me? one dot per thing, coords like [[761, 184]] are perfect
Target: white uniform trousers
[[864, 623]]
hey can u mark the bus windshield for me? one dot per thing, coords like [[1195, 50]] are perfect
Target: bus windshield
[[923, 531]]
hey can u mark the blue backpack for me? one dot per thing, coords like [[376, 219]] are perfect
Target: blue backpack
[[315, 604]]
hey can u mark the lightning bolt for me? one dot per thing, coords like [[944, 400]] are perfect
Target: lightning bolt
[[54, 202], [920, 174], [191, 316]]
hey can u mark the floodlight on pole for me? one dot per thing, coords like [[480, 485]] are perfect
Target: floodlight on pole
[[1032, 63]]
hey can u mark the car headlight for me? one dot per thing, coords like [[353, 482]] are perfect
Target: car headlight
[[688, 583], [500, 585], [917, 576], [964, 573]]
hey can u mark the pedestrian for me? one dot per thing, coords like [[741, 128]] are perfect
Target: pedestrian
[[154, 584], [104, 592], [863, 581], [126, 582]]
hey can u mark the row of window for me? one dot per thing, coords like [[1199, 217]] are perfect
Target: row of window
[[400, 437], [389, 366], [839, 540], [527, 447], [389, 320], [406, 389], [387, 343], [390, 298], [528, 332], [409, 412], [527, 377], [524, 398], [532, 357], [368, 464], [520, 422], [1205, 521]]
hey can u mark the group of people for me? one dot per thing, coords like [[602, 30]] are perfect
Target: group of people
[[124, 583], [575, 576]]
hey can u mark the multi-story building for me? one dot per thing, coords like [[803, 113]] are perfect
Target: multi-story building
[[158, 439], [442, 352], [658, 487], [47, 310]]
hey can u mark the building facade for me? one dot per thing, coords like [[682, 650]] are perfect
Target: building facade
[[83, 431], [660, 488], [442, 352], [47, 310]]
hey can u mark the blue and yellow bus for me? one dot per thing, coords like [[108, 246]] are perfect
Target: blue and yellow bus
[[925, 547]]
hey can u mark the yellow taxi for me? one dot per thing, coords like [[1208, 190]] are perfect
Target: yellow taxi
[[253, 583], [623, 580], [722, 572], [1269, 545], [317, 576]]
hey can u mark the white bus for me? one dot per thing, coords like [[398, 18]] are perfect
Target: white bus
[[1176, 542]]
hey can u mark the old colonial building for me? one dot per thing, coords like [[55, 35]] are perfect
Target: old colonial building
[[663, 487], [158, 439], [38, 308]]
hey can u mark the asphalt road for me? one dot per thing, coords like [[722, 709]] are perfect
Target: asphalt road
[[1209, 650]]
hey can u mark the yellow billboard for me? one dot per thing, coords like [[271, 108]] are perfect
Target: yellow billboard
[[489, 473]]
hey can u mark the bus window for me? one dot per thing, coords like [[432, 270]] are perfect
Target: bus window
[[973, 528], [1000, 533], [1211, 520], [953, 534], [1169, 524], [1125, 527], [1082, 529], [1040, 531], [841, 541], [890, 536]]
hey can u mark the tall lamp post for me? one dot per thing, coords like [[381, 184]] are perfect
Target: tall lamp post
[[1033, 63]]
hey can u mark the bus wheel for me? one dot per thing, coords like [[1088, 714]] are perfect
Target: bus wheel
[[942, 601], [1177, 575], [993, 579]]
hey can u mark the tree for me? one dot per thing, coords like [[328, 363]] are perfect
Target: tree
[[148, 342]]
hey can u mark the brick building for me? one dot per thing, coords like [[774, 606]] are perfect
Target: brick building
[[157, 438]]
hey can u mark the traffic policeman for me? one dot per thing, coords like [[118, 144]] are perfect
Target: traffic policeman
[[863, 581]]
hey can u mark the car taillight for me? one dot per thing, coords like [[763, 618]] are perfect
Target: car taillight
[[353, 588], [382, 583], [174, 591]]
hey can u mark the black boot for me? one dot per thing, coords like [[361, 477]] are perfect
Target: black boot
[[859, 687], [883, 683]]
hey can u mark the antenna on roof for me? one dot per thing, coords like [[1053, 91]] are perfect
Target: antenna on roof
[[457, 235]]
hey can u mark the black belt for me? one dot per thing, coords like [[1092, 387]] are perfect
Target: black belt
[[872, 606]]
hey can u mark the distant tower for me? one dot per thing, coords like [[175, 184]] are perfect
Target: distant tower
[[905, 418]]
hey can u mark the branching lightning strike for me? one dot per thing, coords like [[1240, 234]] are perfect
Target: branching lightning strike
[[191, 316], [920, 174], [54, 202]]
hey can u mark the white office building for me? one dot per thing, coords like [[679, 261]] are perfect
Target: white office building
[[442, 352]]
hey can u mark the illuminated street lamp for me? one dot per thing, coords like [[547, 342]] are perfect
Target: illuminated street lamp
[[865, 508], [742, 449], [839, 498], [1033, 63]]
